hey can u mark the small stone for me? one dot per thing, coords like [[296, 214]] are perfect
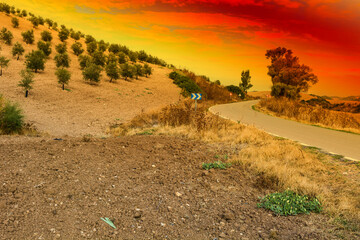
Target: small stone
[[57, 235], [178, 194], [153, 166], [137, 214], [222, 235], [169, 208], [273, 234], [163, 224], [228, 215]]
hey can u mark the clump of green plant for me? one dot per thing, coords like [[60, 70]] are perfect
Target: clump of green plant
[[289, 203], [187, 85], [216, 164], [11, 118], [147, 132]]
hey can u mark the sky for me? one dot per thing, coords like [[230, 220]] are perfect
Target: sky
[[220, 39]]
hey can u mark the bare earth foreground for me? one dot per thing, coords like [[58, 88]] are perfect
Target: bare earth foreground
[[150, 187]]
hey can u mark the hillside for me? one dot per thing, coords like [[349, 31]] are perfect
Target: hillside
[[85, 109]]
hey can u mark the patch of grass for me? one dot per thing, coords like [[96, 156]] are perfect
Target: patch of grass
[[147, 132], [289, 203], [147, 88], [216, 165], [347, 225], [67, 89], [337, 156]]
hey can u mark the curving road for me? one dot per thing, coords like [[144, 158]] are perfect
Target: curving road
[[332, 141]]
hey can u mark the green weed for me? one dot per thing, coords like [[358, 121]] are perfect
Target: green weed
[[289, 203], [216, 164]]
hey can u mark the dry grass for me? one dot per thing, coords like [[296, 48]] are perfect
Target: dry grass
[[311, 115], [278, 164]]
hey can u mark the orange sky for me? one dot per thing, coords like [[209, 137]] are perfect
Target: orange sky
[[222, 38]]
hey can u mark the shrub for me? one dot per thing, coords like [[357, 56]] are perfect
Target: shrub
[[92, 73], [185, 83], [46, 36], [102, 46], [45, 47], [15, 22], [142, 56], [77, 48], [61, 48], [35, 60], [11, 119], [62, 60], [289, 203], [17, 50], [216, 164], [114, 48], [28, 36], [283, 90], [63, 76], [75, 35], [27, 79]]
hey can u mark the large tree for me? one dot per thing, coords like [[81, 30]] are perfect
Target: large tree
[[288, 76], [245, 84]]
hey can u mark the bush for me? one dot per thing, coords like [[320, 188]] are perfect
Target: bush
[[91, 47], [112, 70], [4, 63], [11, 119], [46, 36], [289, 203], [185, 83], [284, 90], [35, 21], [15, 22], [147, 70], [98, 58], [127, 71], [28, 36]]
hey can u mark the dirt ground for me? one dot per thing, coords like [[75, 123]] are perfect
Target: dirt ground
[[151, 187], [84, 109]]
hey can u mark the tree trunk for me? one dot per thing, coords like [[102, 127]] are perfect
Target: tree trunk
[[110, 79], [35, 70], [18, 57], [63, 87], [1, 72], [26, 93]]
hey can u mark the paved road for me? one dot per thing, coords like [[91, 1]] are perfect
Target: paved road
[[342, 143]]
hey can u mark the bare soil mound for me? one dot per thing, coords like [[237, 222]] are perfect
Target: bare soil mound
[[151, 187]]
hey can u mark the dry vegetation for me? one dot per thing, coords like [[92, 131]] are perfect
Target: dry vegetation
[[279, 164], [311, 115]]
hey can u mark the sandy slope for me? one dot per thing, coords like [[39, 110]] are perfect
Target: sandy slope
[[86, 109]]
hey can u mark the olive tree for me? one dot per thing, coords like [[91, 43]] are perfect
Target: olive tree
[[63, 76], [35, 60], [4, 63], [92, 73], [28, 36], [17, 50], [27, 79]]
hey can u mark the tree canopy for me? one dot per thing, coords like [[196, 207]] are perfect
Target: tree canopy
[[287, 74]]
